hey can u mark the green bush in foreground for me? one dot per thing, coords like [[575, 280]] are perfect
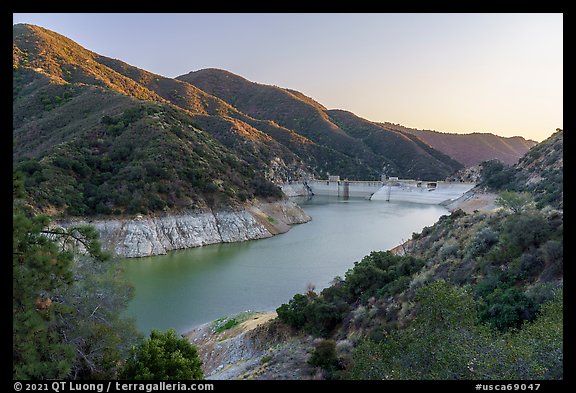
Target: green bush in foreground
[[163, 356]]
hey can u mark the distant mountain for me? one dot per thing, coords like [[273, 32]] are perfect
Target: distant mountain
[[471, 149], [408, 152]]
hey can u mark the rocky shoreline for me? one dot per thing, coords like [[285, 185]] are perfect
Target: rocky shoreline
[[258, 348], [142, 236]]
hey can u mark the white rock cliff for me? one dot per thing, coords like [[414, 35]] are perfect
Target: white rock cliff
[[154, 235]]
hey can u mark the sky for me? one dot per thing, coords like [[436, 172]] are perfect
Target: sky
[[460, 73]]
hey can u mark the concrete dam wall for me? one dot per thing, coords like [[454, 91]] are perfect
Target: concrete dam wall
[[421, 192], [344, 188], [395, 190]]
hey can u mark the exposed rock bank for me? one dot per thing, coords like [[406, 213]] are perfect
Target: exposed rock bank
[[294, 189], [259, 348], [154, 235], [473, 201]]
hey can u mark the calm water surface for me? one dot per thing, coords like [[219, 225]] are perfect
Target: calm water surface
[[189, 287]]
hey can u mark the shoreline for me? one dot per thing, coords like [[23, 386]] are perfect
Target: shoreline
[[470, 202], [474, 200], [143, 236], [232, 354], [228, 353]]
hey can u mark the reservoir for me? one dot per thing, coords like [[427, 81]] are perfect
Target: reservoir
[[189, 287]]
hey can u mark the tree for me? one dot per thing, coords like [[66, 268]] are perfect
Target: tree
[[67, 300], [537, 347], [447, 341], [39, 269], [515, 201], [444, 341], [163, 356], [293, 313], [90, 319]]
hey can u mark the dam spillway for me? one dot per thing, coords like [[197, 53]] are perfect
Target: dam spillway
[[395, 190], [421, 192]]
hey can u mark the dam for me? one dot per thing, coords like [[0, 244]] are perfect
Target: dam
[[391, 189]]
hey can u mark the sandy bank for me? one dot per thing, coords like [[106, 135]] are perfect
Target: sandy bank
[[474, 200]]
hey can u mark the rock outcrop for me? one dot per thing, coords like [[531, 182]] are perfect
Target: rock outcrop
[[154, 235]]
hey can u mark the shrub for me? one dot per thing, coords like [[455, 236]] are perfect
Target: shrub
[[446, 341], [506, 308], [484, 239], [515, 201], [449, 248], [553, 253], [496, 175], [163, 356], [324, 355], [521, 231], [293, 313]]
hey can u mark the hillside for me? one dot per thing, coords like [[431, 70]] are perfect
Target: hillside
[[93, 141], [406, 153], [393, 154], [475, 296], [73, 102], [471, 149], [96, 135], [540, 171]]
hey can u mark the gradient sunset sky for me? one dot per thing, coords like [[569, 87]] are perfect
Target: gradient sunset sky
[[461, 73]]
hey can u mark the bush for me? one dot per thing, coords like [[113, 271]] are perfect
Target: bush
[[506, 308], [322, 317], [496, 175], [376, 273], [324, 355], [293, 313], [553, 253], [515, 201], [531, 264], [446, 341], [449, 248], [484, 239], [380, 274], [525, 230], [163, 356], [438, 344], [316, 316]]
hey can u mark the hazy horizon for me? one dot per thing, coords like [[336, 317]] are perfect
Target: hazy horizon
[[457, 73]]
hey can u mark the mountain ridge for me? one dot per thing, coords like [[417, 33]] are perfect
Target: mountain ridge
[[69, 99], [472, 148], [296, 111]]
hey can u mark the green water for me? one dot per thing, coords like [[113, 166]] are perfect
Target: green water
[[189, 287]]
